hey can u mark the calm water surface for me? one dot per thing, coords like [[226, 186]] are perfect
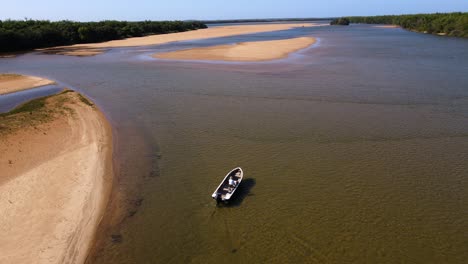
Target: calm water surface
[[10, 101], [354, 150]]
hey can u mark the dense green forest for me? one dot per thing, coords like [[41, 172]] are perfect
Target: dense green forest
[[18, 35], [452, 24], [343, 21]]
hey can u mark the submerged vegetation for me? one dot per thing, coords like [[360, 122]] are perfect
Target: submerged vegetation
[[18, 35], [340, 21], [451, 24]]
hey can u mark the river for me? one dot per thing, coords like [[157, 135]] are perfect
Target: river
[[354, 150]]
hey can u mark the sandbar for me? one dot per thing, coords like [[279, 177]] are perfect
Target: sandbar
[[56, 175], [212, 32], [78, 52], [244, 51], [6, 56], [10, 83], [386, 26]]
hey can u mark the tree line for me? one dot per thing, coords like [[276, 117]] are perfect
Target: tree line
[[343, 21], [19, 35], [451, 24]]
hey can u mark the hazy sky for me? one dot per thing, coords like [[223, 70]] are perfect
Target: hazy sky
[[90, 10]]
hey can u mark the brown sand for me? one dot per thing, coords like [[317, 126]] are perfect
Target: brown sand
[[55, 180], [214, 32], [245, 51], [10, 83], [6, 56], [386, 26]]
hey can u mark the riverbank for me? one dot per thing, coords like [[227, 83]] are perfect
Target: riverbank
[[386, 26], [244, 51], [214, 32], [10, 83], [56, 177], [442, 24]]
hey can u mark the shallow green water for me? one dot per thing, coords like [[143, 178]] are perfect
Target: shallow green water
[[354, 151]]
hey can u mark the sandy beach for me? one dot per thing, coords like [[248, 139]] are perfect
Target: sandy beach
[[10, 83], [56, 177], [244, 51], [386, 26], [214, 32]]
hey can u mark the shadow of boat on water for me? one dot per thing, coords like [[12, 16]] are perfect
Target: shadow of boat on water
[[241, 193]]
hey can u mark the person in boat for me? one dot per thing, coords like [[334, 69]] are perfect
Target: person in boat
[[232, 182]]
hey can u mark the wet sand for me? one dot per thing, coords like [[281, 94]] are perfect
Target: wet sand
[[6, 56], [214, 32], [56, 176], [10, 83], [245, 51], [78, 52]]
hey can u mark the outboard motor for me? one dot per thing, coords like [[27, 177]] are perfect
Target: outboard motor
[[218, 198]]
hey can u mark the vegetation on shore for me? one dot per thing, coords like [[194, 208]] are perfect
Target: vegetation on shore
[[19, 35], [29, 107], [85, 100], [451, 24], [36, 111], [9, 75], [343, 21]]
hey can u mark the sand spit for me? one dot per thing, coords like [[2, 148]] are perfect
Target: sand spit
[[79, 52], [10, 83], [56, 174], [214, 32], [6, 56], [245, 51]]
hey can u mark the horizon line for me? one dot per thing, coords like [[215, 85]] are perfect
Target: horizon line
[[235, 19]]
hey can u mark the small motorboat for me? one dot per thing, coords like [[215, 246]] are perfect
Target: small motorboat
[[228, 186]]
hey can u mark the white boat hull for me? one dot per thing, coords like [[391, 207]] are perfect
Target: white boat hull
[[225, 191]]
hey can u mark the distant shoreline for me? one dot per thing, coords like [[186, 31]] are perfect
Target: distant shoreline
[[442, 24], [26, 35], [244, 51], [214, 32], [386, 26], [265, 20]]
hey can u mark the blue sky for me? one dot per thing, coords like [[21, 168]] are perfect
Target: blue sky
[[92, 10]]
